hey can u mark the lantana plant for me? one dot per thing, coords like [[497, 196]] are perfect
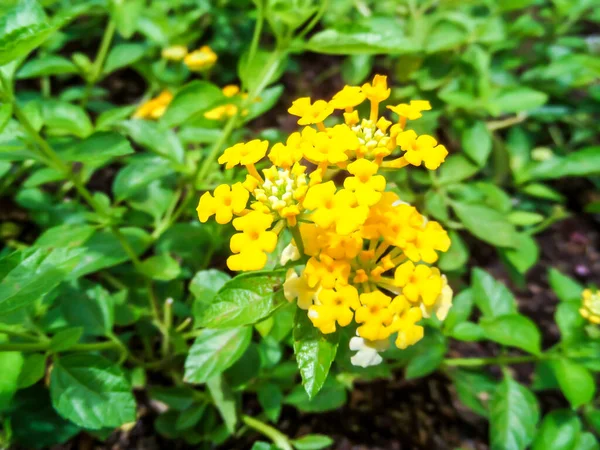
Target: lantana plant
[[359, 254]]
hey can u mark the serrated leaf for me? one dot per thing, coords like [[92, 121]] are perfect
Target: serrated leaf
[[224, 401], [514, 330], [514, 414], [492, 297], [486, 224], [314, 352], [244, 300], [91, 391], [214, 351], [565, 288], [575, 381]]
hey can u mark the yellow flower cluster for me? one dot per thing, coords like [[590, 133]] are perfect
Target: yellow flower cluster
[[197, 61], [154, 108], [368, 255], [590, 306]]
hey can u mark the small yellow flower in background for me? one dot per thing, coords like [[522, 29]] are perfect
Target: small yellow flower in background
[[229, 109], [310, 113], [412, 111], [590, 306], [202, 59], [364, 256], [175, 52], [154, 108]]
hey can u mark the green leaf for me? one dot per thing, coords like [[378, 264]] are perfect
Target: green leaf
[[224, 401], [34, 369], [514, 330], [474, 389], [151, 135], [104, 250], [426, 361], [477, 142], [558, 431], [585, 162], [244, 300], [261, 70], [65, 339], [270, 398], [457, 255], [456, 168], [28, 275], [492, 297], [587, 441], [565, 288], [462, 306], [191, 101], [62, 118], [190, 417], [11, 363], [575, 381], [86, 305], [514, 414], [486, 224], [123, 55], [524, 218], [570, 322], [99, 148], [5, 115], [46, 65], [331, 397], [206, 283], [91, 391], [356, 69], [125, 13], [445, 35], [312, 442], [517, 99], [468, 332], [524, 256], [214, 351], [35, 423], [314, 352], [542, 191], [374, 36], [267, 100], [138, 174], [161, 267], [22, 28]]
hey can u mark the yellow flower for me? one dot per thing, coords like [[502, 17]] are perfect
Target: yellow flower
[[334, 306], [412, 111], [230, 90], [154, 108], [325, 148], [428, 242], [419, 282], [202, 59], [330, 207], [420, 149], [226, 202], [374, 315], [409, 333], [365, 184], [252, 244], [377, 91], [296, 287], [227, 110], [326, 271], [285, 156], [590, 306], [310, 113], [442, 304], [174, 52], [348, 98], [244, 154]]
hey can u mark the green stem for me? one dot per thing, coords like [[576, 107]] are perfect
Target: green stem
[[314, 21], [16, 333], [295, 230], [43, 346], [498, 360], [167, 324], [278, 438], [98, 64]]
